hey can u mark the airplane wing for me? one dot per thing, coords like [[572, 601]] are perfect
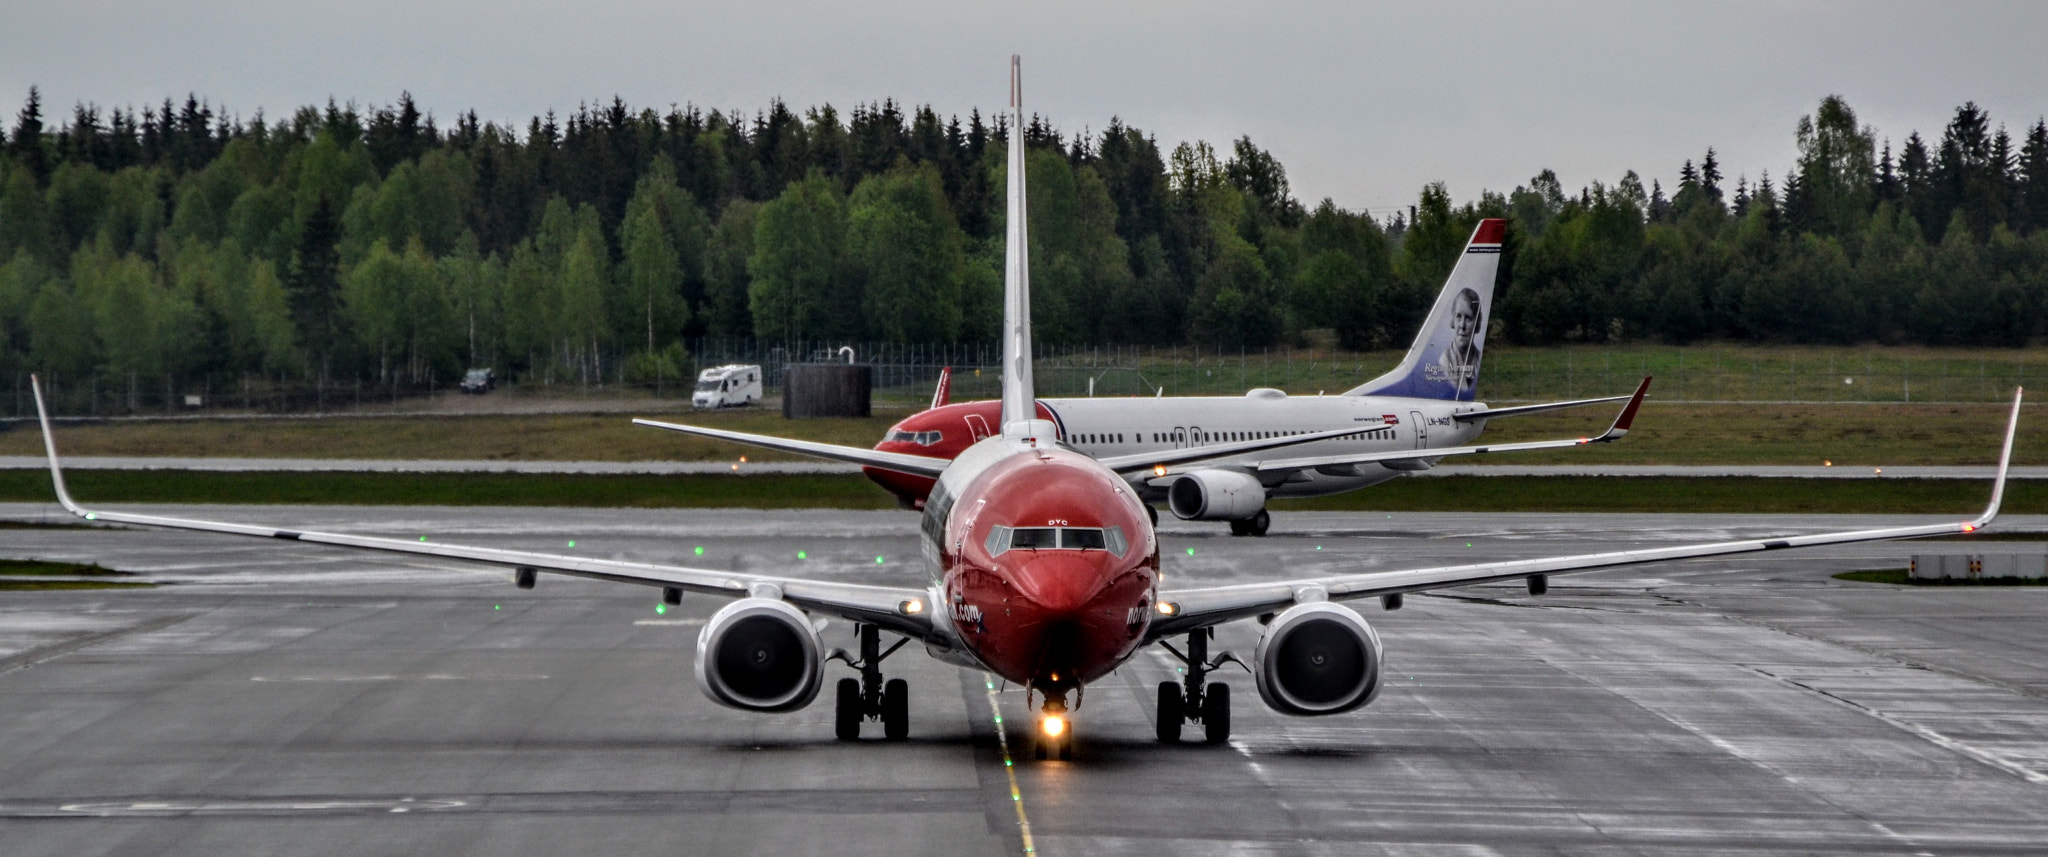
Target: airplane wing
[[1187, 610], [1614, 432], [900, 609], [916, 465], [1490, 413]]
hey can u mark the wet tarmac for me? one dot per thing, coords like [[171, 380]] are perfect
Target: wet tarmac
[[281, 698]]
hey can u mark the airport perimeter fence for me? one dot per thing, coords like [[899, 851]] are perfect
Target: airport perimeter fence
[[904, 376]]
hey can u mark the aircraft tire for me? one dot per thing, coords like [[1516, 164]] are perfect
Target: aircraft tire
[[1259, 523], [896, 710], [1171, 713], [1152, 512], [1216, 713], [846, 714], [1241, 528]]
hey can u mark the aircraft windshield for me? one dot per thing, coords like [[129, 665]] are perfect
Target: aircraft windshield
[[1004, 539], [921, 438]]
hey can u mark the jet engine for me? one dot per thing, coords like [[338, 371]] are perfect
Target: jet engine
[[1318, 658], [1215, 495], [760, 654]]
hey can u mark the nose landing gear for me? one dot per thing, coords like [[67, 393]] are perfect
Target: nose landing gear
[[1055, 734], [869, 697], [1196, 699]]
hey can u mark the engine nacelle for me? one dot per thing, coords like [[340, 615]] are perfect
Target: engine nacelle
[[760, 654], [1318, 658], [1215, 495]]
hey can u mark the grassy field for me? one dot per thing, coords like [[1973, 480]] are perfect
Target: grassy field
[[1858, 435], [531, 437], [29, 574], [1698, 373]]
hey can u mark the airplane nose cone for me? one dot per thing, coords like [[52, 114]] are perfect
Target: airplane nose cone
[[1062, 582]]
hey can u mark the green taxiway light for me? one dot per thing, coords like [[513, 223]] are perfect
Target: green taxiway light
[[423, 538], [497, 607], [572, 543], [700, 550], [878, 559], [660, 609], [802, 555], [1191, 551]]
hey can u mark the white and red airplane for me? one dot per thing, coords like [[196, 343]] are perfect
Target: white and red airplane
[[1045, 570], [1415, 415]]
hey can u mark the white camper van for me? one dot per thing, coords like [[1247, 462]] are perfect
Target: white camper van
[[728, 386]]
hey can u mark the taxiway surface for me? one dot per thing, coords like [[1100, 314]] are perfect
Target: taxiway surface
[[282, 698]]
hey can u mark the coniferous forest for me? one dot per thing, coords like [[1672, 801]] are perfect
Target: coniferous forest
[[176, 243]]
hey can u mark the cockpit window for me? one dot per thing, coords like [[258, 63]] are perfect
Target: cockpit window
[[1035, 538], [921, 438], [1003, 539]]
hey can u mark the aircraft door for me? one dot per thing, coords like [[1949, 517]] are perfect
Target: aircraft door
[[1421, 429], [1180, 437], [977, 427]]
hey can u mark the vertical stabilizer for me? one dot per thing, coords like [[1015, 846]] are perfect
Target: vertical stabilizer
[[1444, 361], [1019, 394]]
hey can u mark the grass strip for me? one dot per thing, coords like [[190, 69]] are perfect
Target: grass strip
[[21, 575], [1904, 577], [754, 491], [775, 491]]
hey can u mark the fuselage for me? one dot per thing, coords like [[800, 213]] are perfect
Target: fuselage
[[1107, 426], [1043, 561]]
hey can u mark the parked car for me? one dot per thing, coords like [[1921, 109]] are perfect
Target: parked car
[[479, 381]]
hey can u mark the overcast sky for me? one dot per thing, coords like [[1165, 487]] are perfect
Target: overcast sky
[[1362, 102]]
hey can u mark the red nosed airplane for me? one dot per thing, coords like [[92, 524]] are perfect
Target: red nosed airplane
[[1045, 571]]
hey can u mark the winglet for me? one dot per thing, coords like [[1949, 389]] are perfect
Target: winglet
[[50, 446], [2012, 427], [1628, 412]]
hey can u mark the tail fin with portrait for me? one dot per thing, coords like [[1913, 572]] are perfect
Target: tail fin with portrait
[[1444, 361]]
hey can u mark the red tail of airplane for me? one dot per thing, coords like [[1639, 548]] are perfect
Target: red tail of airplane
[[943, 394]]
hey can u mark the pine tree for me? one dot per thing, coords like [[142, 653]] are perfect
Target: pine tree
[[27, 141], [1710, 176], [2033, 178]]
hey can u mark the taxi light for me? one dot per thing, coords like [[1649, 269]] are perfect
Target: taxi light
[[1969, 528], [1826, 463], [1158, 470], [743, 459], [1168, 608], [912, 607], [1053, 725]]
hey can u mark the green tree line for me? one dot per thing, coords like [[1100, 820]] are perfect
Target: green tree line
[[177, 242]]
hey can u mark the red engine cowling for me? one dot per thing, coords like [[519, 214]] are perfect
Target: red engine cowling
[[760, 654], [1318, 658]]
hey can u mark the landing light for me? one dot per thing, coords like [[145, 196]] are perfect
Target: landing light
[[1158, 470], [1168, 608], [1826, 463], [1053, 725], [1969, 528], [912, 607]]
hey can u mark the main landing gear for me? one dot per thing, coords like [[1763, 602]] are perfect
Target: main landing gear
[[1253, 526], [1196, 699], [869, 697]]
